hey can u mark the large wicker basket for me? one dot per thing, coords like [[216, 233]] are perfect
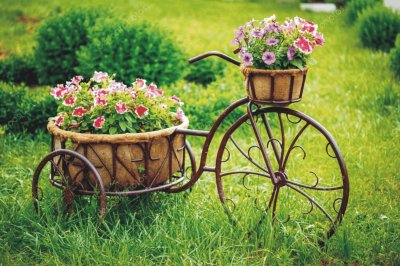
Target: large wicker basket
[[124, 161], [276, 87]]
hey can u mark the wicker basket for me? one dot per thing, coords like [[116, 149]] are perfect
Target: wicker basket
[[124, 161], [277, 87]]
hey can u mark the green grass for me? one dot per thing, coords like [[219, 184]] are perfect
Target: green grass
[[350, 91]]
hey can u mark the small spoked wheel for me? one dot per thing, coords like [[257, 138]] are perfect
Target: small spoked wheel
[[54, 171], [309, 187]]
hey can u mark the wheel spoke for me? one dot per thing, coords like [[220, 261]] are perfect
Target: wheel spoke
[[247, 156], [312, 201]]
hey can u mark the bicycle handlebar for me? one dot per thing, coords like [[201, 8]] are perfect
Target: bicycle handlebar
[[214, 53]]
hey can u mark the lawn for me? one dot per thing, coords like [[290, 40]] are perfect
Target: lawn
[[350, 91]]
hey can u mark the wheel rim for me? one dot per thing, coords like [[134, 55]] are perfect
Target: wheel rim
[[58, 176], [306, 162]]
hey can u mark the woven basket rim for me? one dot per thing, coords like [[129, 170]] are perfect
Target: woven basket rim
[[116, 138], [247, 70]]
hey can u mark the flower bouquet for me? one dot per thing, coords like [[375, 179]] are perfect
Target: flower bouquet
[[127, 132], [275, 57]]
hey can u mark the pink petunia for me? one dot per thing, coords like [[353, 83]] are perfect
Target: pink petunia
[[115, 86], [98, 123], [179, 113], [59, 92], [309, 27], [319, 39], [176, 99], [153, 88], [99, 76], [141, 110], [140, 83], [100, 97], [79, 111], [69, 101], [303, 45], [59, 120], [120, 107], [76, 80]]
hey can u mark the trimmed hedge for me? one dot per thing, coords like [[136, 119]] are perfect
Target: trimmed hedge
[[58, 39], [355, 7], [19, 69], [378, 27], [20, 112], [131, 51]]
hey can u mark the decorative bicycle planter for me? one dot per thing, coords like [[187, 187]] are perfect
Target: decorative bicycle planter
[[271, 145]]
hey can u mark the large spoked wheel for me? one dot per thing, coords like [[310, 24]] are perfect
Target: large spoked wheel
[[310, 188], [53, 171]]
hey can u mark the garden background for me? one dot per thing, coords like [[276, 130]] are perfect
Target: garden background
[[351, 90]]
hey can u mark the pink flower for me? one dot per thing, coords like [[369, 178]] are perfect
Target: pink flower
[[299, 21], [59, 120], [121, 107], [179, 113], [99, 76], [100, 101], [76, 80], [133, 94], [319, 39], [59, 92], [116, 86], [79, 111], [101, 93], [303, 45], [98, 123], [141, 110], [176, 99], [140, 83], [100, 97], [150, 94], [309, 27], [69, 101], [153, 88]]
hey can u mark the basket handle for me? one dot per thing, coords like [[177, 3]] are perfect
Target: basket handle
[[214, 53]]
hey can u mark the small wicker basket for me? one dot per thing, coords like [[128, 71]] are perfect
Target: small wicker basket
[[275, 87]]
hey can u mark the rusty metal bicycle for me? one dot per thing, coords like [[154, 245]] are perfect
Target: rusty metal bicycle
[[275, 159]]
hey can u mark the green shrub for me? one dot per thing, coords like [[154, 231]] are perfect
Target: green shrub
[[131, 51], [378, 28], [58, 39], [395, 57], [205, 71], [355, 7], [18, 69], [203, 105], [20, 112]]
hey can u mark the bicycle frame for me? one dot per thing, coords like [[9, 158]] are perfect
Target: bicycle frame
[[210, 134]]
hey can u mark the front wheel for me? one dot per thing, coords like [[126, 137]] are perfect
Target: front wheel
[[310, 188]]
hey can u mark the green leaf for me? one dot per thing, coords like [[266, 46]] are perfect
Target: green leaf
[[297, 63], [122, 125], [113, 130]]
